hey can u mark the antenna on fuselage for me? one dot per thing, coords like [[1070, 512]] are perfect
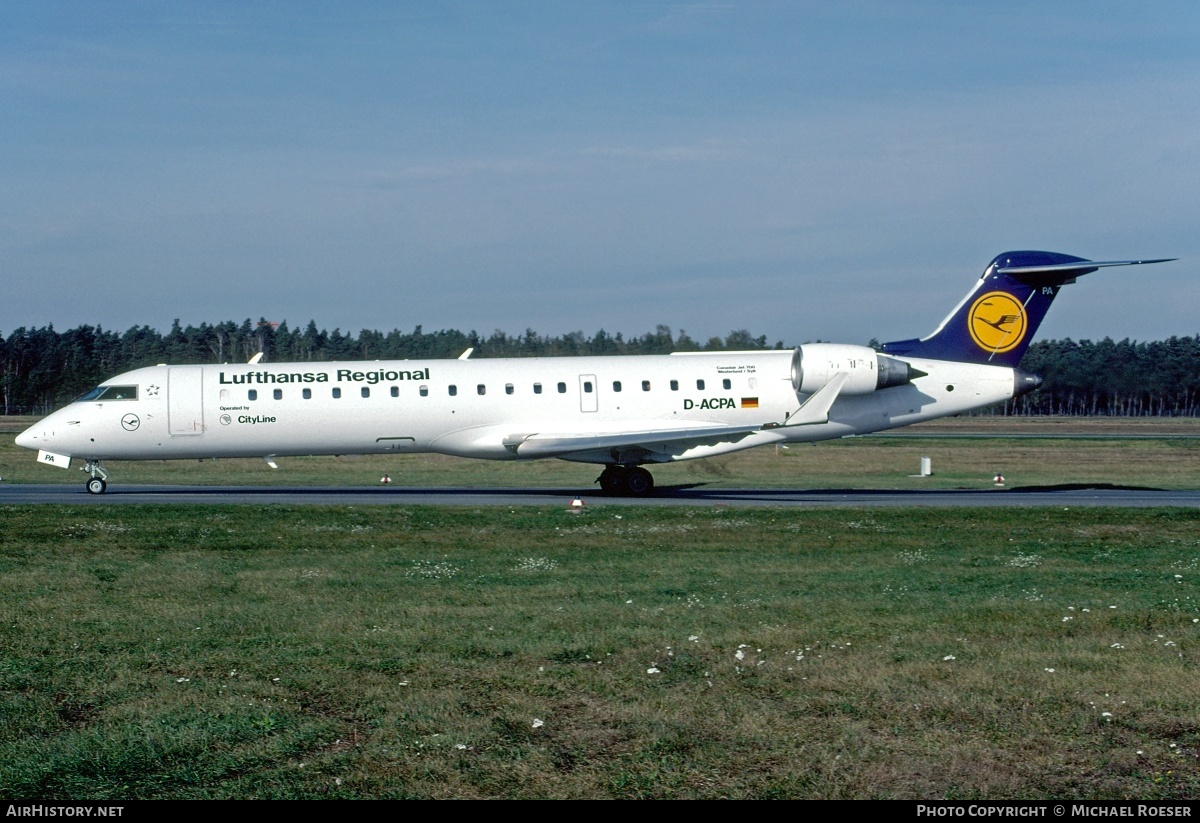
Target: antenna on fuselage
[[253, 360]]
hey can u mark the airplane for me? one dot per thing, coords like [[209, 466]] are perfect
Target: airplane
[[621, 412]]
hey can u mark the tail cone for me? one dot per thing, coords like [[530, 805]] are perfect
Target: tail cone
[[1024, 382]]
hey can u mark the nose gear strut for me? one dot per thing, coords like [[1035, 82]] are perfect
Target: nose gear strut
[[99, 479]]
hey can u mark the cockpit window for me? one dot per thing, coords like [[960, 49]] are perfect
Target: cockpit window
[[109, 393]]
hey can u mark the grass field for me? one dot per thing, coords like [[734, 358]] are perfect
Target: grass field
[[279, 652], [394, 651], [1111, 452]]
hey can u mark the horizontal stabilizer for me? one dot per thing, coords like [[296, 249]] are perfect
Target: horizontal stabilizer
[[1062, 273], [1090, 265]]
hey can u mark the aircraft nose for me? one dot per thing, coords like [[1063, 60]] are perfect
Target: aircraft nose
[[25, 439]]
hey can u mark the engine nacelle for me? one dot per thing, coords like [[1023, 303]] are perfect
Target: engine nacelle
[[815, 364]]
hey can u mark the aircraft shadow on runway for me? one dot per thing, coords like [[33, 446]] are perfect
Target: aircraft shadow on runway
[[690, 491]]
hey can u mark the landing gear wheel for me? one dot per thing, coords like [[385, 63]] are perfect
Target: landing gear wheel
[[612, 481], [623, 482], [99, 481], [638, 482]]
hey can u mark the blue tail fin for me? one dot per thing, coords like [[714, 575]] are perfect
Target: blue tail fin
[[996, 321]]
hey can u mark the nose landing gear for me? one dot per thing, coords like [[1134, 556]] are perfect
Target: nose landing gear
[[624, 481], [98, 482]]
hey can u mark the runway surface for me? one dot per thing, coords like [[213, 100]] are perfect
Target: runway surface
[[1064, 496]]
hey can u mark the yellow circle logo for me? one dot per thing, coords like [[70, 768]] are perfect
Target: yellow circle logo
[[997, 322]]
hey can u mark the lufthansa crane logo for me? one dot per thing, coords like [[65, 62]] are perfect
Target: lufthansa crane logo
[[997, 322], [130, 422]]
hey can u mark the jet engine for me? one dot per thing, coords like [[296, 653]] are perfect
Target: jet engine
[[815, 364]]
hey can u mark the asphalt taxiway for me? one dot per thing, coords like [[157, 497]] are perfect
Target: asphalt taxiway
[[698, 495]]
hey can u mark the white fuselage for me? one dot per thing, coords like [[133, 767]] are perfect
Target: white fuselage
[[575, 408]]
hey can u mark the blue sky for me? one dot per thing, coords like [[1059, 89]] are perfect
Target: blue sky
[[834, 171]]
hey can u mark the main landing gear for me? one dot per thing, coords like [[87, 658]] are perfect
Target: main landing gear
[[98, 482], [626, 481]]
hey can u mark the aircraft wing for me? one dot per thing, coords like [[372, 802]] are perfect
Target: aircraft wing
[[665, 440], [658, 439]]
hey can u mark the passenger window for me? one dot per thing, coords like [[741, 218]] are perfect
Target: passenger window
[[337, 392], [700, 385], [366, 392], [508, 388], [727, 383], [453, 391], [395, 391], [424, 391], [307, 394], [645, 385], [616, 385], [278, 394], [252, 394], [587, 386], [224, 395], [481, 389], [562, 388], [537, 388], [674, 385]]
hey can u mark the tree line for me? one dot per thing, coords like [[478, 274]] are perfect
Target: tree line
[[42, 369], [1107, 377]]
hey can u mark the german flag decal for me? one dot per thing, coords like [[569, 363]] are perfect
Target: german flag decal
[[749, 402]]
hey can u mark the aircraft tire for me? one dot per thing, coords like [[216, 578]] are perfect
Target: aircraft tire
[[638, 482], [96, 485], [612, 481]]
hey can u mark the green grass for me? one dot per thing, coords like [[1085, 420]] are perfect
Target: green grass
[[301, 652]]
